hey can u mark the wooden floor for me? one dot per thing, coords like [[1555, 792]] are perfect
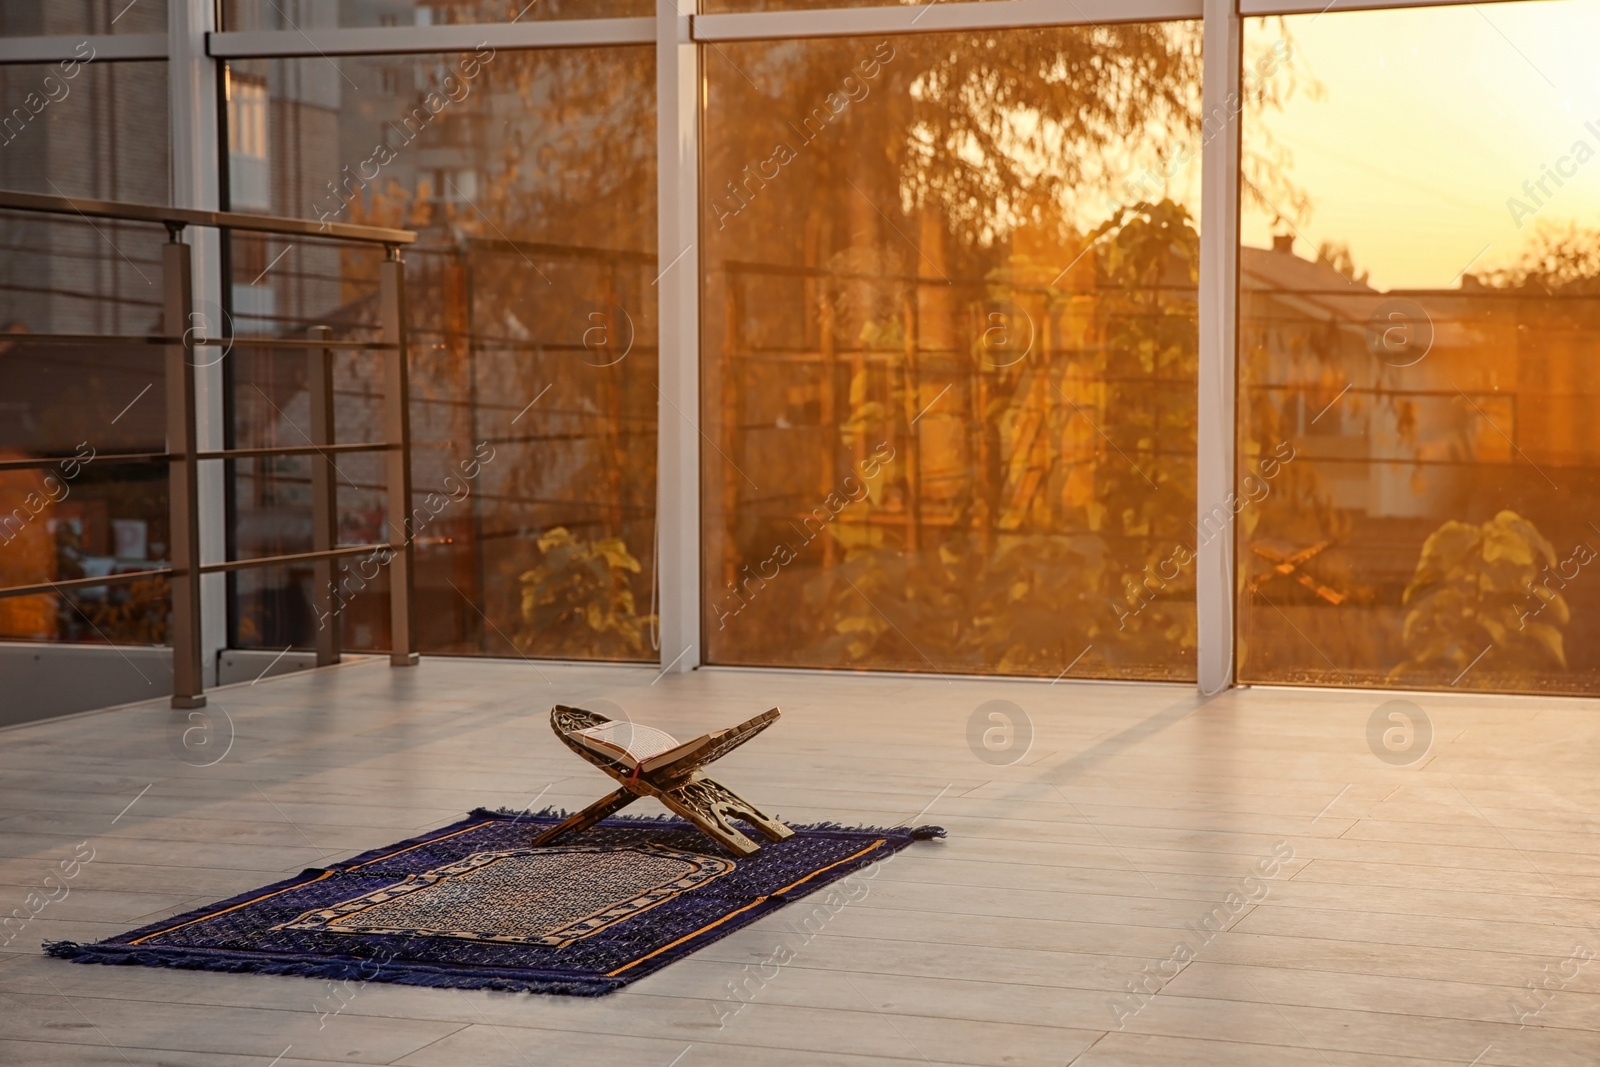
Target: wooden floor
[[1421, 905]]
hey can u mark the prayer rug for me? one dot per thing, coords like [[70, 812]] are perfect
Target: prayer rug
[[471, 906]]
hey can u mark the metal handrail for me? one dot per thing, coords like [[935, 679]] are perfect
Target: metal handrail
[[41, 462], [125, 577], [107, 339], [183, 454], [60, 584], [315, 555], [269, 341], [231, 341], [126, 211], [104, 458]]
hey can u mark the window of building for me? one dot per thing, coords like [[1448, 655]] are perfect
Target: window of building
[[1420, 292], [949, 352], [533, 350]]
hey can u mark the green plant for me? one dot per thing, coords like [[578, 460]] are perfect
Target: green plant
[[1473, 596], [1026, 609], [578, 601]]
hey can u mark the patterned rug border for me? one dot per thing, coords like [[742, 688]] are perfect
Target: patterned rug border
[[119, 950]]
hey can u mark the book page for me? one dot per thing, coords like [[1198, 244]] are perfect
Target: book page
[[639, 742]]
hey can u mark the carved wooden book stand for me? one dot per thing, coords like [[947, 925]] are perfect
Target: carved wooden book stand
[[677, 782]]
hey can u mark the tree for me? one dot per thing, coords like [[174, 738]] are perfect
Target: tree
[[877, 214]]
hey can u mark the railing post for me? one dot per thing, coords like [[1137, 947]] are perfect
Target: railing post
[[183, 484], [324, 494], [397, 423]]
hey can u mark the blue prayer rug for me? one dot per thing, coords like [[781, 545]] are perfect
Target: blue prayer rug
[[471, 906]]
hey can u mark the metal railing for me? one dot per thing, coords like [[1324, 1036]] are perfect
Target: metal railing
[[183, 454]]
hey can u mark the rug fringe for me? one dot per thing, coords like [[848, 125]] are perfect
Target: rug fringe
[[331, 970]]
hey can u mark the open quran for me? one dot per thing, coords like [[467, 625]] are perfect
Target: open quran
[[641, 747]]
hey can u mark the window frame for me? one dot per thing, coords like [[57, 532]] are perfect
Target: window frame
[[195, 49]]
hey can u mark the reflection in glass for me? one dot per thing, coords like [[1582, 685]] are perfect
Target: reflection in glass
[[55, 18], [81, 516], [530, 180], [949, 346], [86, 128], [67, 130], [1416, 361]]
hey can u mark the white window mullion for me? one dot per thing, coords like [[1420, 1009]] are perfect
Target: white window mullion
[[1221, 108], [1249, 8], [936, 17], [678, 293], [411, 40]]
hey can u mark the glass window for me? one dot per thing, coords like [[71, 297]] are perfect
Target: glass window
[[1420, 297], [950, 344], [69, 129], [86, 128], [726, 6], [530, 178], [80, 515], [325, 14], [55, 18]]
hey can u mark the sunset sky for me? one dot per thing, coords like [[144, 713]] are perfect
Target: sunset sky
[[1429, 120]]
